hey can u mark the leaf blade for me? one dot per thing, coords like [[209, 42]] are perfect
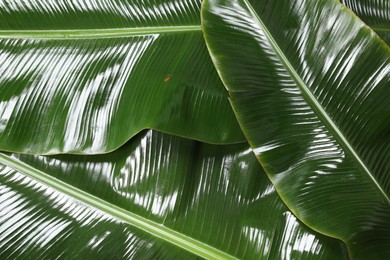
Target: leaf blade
[[89, 85], [35, 215], [374, 13], [302, 117], [144, 224], [213, 195]]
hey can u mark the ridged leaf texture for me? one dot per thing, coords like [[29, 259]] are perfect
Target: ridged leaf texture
[[376, 13], [157, 197], [84, 76], [309, 83], [38, 222]]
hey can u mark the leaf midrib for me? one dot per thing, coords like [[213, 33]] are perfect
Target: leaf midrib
[[94, 33], [158, 230], [381, 29], [316, 106]]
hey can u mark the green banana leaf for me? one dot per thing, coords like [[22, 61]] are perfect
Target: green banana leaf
[[40, 223], [85, 76], [310, 85], [376, 13], [157, 197]]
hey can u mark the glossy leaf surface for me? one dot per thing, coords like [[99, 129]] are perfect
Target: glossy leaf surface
[[310, 86], [81, 76], [376, 13], [214, 201], [40, 223]]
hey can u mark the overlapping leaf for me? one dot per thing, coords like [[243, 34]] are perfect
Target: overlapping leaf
[[376, 13], [210, 200], [310, 86], [40, 223], [84, 76]]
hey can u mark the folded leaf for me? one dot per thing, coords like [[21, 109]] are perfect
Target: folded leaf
[[85, 76], [310, 86], [213, 201], [376, 13]]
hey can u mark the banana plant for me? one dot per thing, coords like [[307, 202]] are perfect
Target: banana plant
[[375, 13], [82, 82], [180, 199], [85, 76], [310, 86]]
